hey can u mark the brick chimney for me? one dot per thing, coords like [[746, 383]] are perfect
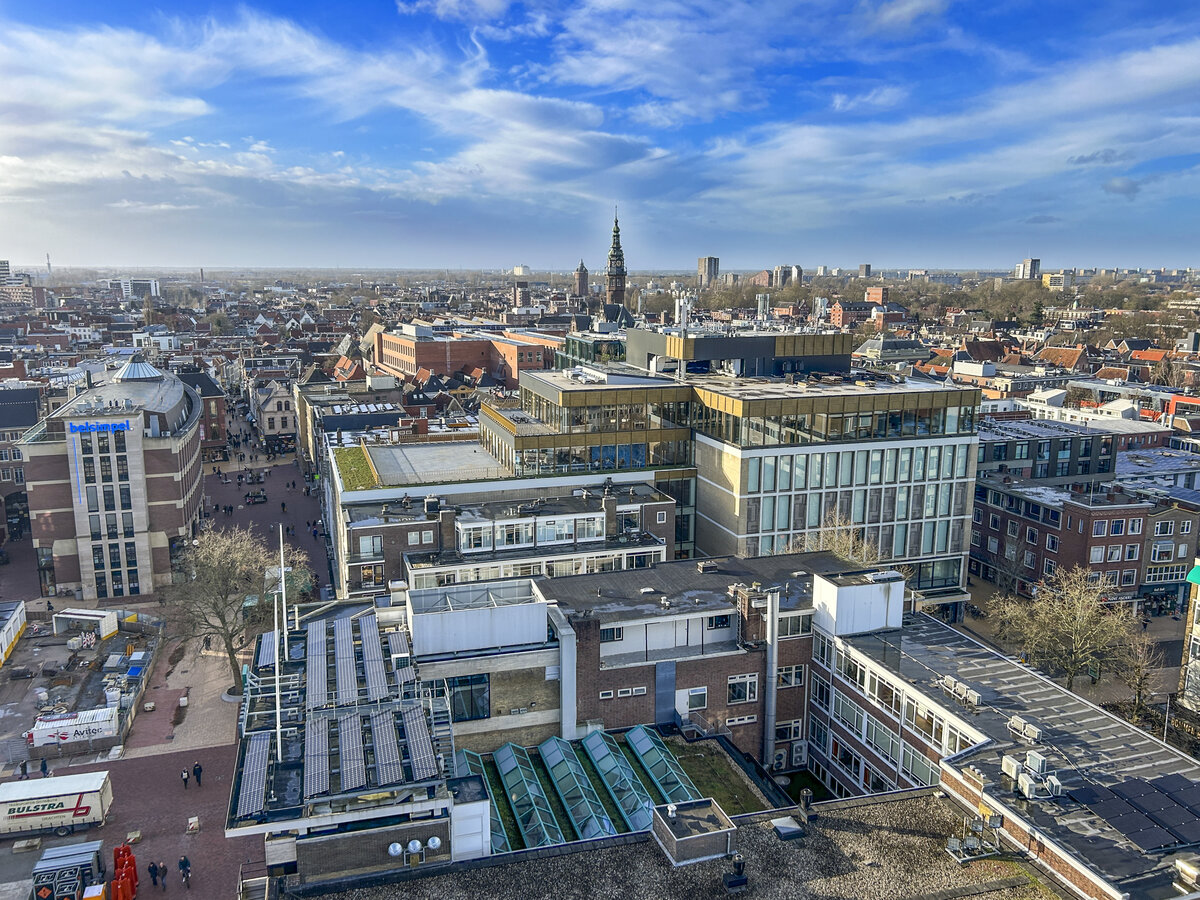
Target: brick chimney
[[446, 528]]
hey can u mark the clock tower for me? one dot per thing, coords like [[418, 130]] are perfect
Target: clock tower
[[615, 273]]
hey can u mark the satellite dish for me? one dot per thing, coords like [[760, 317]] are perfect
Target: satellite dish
[[434, 843], [414, 846], [394, 849]]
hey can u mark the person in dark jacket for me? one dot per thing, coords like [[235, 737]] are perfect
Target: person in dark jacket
[[153, 870], [197, 770]]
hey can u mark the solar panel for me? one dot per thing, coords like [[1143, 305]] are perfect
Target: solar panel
[[316, 675], [266, 650], [420, 746], [1172, 817], [252, 794], [405, 674], [1110, 809], [397, 643], [388, 768], [316, 757], [1171, 783], [1089, 795], [1130, 823], [1152, 838], [1133, 787], [373, 666], [1149, 803], [1189, 797], [345, 671], [1188, 832], [351, 763]]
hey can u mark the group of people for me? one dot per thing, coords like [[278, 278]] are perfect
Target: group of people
[[158, 873], [197, 770]]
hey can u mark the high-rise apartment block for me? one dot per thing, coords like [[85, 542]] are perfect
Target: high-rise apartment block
[[864, 271], [782, 276], [708, 268], [1028, 270]]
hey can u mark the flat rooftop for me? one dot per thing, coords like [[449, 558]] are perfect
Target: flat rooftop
[[1085, 745], [435, 463], [777, 388], [1155, 461], [1051, 495], [873, 851], [1017, 429], [619, 597]]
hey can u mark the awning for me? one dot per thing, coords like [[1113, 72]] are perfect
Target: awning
[[1194, 575]]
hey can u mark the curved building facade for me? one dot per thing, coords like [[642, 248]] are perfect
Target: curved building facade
[[115, 484]]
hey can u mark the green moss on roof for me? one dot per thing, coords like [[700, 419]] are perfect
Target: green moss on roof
[[354, 468]]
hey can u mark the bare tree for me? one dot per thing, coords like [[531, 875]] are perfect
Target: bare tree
[[1170, 372], [1068, 626], [841, 537], [218, 573], [1135, 663]]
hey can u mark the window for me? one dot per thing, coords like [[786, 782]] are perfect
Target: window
[[639, 691], [1030, 559], [1049, 567], [1031, 536], [127, 525], [1185, 527], [414, 538], [1118, 527], [610, 635], [820, 692], [126, 496], [977, 515], [993, 545], [697, 698], [822, 650], [624, 692], [848, 712], [976, 538], [1100, 528], [122, 468], [271, 423], [791, 730], [742, 689], [1052, 543], [790, 676], [1164, 529], [1097, 554], [882, 739], [662, 517], [1114, 553], [470, 697], [1162, 551], [994, 522], [370, 545], [1129, 576], [917, 768], [923, 722], [1135, 526], [606, 695], [1014, 528], [1132, 551], [718, 622], [741, 720], [795, 626]]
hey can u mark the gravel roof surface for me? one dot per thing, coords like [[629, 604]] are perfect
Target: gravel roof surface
[[890, 851]]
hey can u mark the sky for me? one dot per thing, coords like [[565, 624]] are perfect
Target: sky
[[490, 133]]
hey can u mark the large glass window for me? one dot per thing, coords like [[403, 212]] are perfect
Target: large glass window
[[742, 689], [470, 697]]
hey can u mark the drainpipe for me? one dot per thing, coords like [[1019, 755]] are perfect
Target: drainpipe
[[772, 617]]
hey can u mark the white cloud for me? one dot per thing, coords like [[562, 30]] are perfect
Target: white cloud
[[905, 13], [876, 98]]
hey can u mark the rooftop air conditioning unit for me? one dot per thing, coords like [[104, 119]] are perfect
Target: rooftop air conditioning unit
[[1010, 766], [1027, 785], [1054, 786], [1035, 762]]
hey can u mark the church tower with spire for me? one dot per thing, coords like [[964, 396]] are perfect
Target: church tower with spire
[[615, 292]]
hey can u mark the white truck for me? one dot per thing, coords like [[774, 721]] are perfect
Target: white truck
[[59, 804], [68, 728]]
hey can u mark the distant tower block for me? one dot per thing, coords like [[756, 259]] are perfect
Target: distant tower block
[[707, 270]]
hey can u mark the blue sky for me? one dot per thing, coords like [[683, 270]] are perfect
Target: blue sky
[[485, 133]]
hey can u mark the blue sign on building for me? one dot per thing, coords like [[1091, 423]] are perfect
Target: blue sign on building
[[86, 427]]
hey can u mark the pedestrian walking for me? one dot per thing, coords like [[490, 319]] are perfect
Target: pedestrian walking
[[45, 768], [283, 508], [24, 769], [162, 873], [184, 775], [314, 531], [153, 870], [197, 770], [185, 872]]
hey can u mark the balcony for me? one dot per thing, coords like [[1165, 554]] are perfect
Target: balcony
[[694, 724], [364, 559]]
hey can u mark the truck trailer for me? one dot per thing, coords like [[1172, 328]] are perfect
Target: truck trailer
[[59, 804]]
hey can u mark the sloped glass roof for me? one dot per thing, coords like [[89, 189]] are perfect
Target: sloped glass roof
[[621, 782], [535, 818], [468, 762], [660, 762], [574, 788]]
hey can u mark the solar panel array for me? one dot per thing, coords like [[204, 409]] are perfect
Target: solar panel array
[[664, 769], [467, 762], [317, 668], [252, 795], [316, 757], [420, 746], [535, 818], [388, 768], [621, 782], [345, 670], [405, 674], [373, 665], [351, 762], [1153, 815], [575, 790], [266, 649]]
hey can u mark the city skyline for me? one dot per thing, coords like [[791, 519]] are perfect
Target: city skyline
[[469, 134]]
